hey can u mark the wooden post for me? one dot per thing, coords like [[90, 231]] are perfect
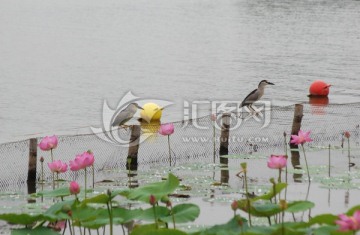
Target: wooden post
[[31, 178], [224, 146], [132, 160], [32, 160], [295, 155], [298, 115], [224, 137]]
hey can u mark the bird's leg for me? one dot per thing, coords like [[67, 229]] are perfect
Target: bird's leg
[[253, 112], [248, 109], [256, 112]]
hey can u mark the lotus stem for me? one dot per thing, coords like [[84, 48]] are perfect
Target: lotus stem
[[108, 204], [64, 227], [169, 149], [70, 227], [85, 180], [53, 180], [155, 217], [247, 196], [42, 176], [93, 176], [286, 169], [274, 191], [53, 174], [348, 139], [214, 140], [279, 179], [173, 217], [307, 167], [329, 159], [57, 179]]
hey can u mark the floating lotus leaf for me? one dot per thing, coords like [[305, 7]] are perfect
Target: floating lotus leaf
[[60, 192], [183, 213], [339, 183], [24, 219], [152, 230], [157, 189], [298, 206], [37, 231], [233, 227], [227, 200], [323, 219]]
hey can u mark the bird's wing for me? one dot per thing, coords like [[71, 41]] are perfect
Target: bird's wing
[[121, 118], [245, 101]]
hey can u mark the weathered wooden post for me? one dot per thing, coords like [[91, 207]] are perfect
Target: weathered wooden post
[[31, 178], [295, 155], [224, 137], [132, 158], [32, 160], [224, 145]]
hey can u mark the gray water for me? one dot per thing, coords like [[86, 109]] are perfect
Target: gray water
[[59, 60]]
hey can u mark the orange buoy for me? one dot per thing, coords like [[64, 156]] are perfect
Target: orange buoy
[[319, 88]]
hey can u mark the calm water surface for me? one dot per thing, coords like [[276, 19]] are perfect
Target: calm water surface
[[59, 60]]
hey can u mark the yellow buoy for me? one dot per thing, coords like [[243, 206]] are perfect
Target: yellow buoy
[[151, 112]]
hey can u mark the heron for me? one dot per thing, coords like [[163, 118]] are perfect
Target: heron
[[255, 95], [126, 114]]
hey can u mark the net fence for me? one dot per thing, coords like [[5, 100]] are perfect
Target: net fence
[[191, 140]]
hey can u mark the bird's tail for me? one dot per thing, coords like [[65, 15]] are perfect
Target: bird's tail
[[243, 104], [115, 123]]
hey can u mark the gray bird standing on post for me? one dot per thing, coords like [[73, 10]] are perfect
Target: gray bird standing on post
[[126, 114], [255, 95]]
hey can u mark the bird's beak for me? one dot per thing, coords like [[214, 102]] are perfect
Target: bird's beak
[[270, 83], [328, 86], [139, 107]]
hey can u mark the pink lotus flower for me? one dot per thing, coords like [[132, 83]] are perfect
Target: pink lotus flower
[[349, 223], [82, 161], [166, 129], [88, 158], [152, 200], [48, 143], [58, 166], [74, 188], [277, 161], [76, 164], [301, 138], [347, 134], [60, 225], [234, 205]]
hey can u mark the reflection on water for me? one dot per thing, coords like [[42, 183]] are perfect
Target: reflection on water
[[318, 104], [224, 178], [61, 59], [197, 182]]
